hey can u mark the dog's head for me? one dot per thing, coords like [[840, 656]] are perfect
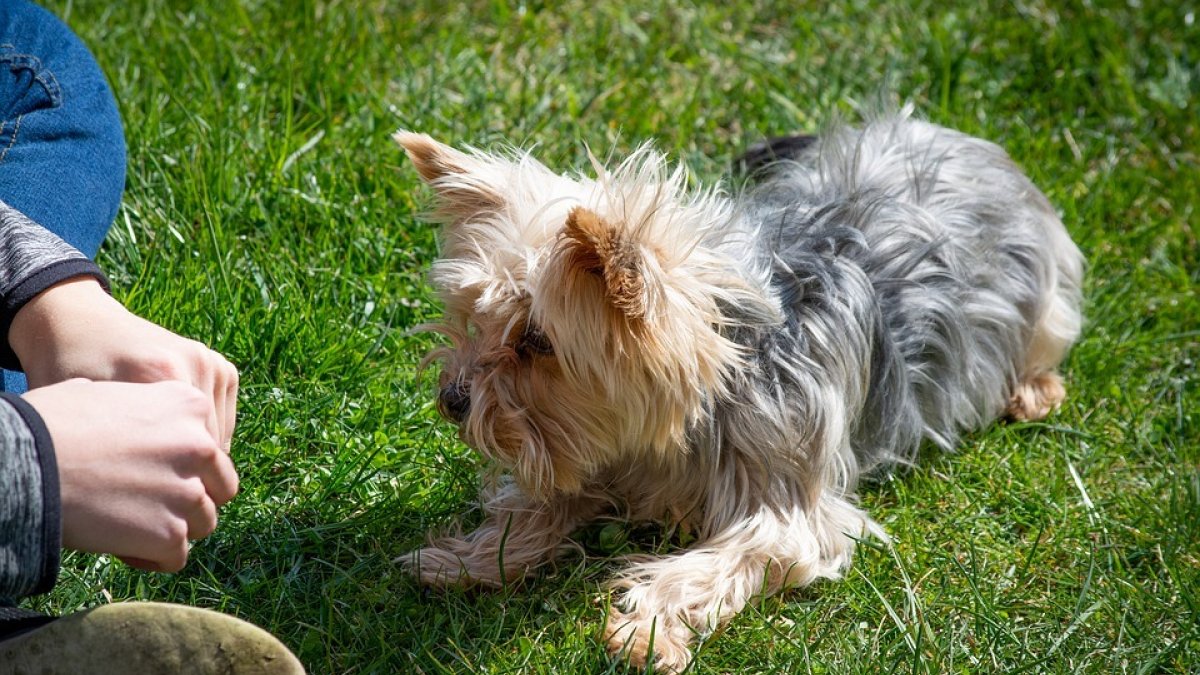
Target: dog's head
[[584, 316]]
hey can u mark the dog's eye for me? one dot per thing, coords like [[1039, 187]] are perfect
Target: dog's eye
[[535, 341]]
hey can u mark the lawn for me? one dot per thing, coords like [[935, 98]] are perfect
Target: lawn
[[269, 215]]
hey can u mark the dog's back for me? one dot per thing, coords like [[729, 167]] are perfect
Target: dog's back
[[961, 264]]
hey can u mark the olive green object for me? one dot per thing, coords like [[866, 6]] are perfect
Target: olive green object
[[147, 638]]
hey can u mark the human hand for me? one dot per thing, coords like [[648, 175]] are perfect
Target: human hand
[[139, 473], [75, 329]]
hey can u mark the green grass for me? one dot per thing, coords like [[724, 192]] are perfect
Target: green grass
[[269, 215]]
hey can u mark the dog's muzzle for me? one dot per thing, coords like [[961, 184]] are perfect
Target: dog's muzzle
[[454, 401]]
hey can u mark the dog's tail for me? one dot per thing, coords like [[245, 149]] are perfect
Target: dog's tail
[[759, 159]]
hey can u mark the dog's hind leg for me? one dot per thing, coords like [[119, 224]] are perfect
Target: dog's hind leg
[[1040, 389]]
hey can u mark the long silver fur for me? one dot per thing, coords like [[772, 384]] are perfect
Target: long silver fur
[[732, 364], [912, 263]]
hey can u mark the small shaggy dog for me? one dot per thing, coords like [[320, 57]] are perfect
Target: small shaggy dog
[[626, 344]]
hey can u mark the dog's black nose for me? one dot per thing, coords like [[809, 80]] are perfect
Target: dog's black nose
[[455, 401]]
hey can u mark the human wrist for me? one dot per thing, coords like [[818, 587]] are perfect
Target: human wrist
[[39, 326]]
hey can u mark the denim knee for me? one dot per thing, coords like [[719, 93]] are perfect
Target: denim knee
[[62, 149]]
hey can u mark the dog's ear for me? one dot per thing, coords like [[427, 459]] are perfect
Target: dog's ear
[[595, 246], [612, 299], [464, 183], [433, 160]]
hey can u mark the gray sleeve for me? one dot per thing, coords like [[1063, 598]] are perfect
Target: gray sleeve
[[30, 511], [32, 259]]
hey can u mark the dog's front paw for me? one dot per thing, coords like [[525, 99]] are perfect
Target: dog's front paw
[[639, 639], [437, 567]]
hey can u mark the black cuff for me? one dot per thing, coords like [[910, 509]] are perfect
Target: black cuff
[[34, 284], [51, 498]]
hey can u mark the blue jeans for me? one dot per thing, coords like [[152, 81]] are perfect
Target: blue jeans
[[62, 150]]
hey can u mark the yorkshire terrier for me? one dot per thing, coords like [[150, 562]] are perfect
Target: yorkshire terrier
[[731, 362]]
